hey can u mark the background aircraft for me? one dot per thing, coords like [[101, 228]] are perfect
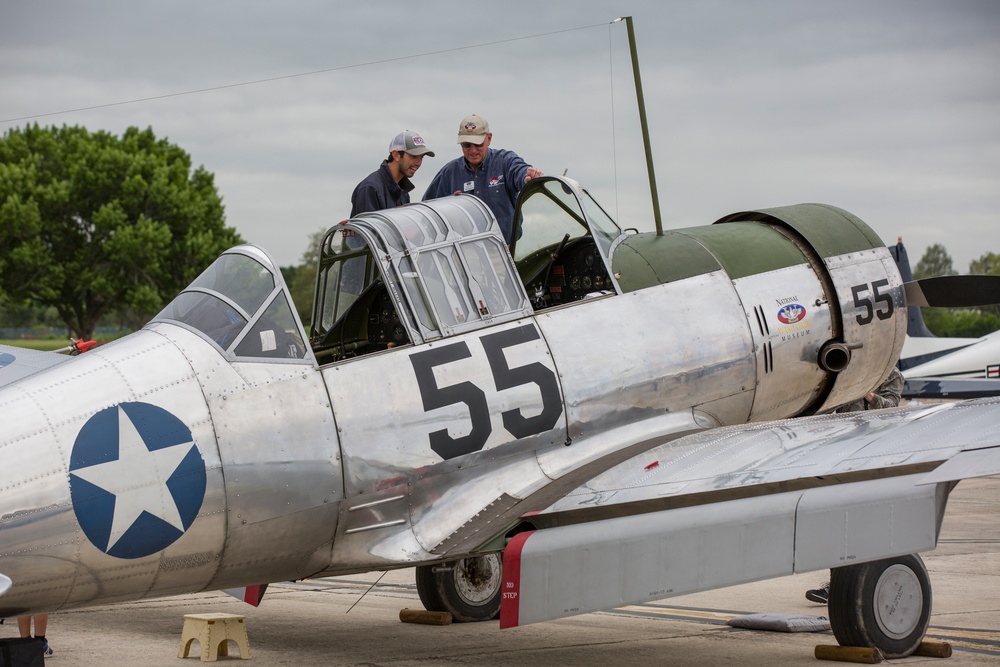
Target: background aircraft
[[590, 418], [935, 367]]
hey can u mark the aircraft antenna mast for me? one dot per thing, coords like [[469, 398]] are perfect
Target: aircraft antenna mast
[[644, 124]]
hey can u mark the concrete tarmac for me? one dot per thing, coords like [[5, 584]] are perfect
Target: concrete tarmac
[[339, 621]]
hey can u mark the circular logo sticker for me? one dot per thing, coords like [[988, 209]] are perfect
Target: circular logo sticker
[[791, 313], [137, 479]]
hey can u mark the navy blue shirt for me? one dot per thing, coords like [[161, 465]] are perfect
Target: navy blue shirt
[[379, 191], [497, 181]]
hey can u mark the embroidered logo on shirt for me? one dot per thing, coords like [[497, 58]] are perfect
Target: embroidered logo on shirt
[[469, 186], [496, 181]]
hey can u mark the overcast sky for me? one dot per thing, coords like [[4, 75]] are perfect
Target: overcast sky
[[888, 109]]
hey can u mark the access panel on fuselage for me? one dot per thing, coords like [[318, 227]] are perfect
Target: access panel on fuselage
[[789, 318], [278, 445], [628, 359]]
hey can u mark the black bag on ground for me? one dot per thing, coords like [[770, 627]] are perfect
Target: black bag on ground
[[27, 652]]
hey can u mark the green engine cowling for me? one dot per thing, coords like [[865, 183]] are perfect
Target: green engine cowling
[[822, 296]]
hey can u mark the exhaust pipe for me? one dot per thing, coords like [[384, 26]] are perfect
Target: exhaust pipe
[[834, 356]]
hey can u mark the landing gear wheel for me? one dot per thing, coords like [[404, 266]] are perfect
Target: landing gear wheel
[[468, 588], [885, 604]]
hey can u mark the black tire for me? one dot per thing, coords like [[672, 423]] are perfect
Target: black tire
[[427, 588], [885, 604], [468, 588]]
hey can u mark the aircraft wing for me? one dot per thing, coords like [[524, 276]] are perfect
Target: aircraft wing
[[19, 362], [740, 504]]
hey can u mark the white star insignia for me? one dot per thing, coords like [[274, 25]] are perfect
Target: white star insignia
[[138, 479]]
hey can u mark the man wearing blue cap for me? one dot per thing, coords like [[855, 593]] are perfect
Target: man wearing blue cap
[[389, 186]]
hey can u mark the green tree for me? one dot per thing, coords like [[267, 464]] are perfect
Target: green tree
[[935, 262], [987, 265], [94, 222], [301, 279], [958, 322], [26, 315]]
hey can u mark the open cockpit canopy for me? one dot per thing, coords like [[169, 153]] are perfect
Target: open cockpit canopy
[[551, 208], [563, 243], [420, 272]]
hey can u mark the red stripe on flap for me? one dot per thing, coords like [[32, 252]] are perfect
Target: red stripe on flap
[[510, 595]]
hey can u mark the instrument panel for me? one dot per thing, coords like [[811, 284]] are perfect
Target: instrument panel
[[570, 276], [384, 328]]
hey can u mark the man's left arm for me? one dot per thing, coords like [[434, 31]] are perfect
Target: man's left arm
[[888, 393]]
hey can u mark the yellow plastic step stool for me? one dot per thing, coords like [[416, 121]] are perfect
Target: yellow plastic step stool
[[214, 632]]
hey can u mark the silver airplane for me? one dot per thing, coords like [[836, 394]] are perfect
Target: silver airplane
[[590, 418]]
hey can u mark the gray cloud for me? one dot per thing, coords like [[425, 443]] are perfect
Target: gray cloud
[[890, 110]]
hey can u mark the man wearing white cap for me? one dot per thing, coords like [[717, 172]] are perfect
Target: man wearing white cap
[[494, 175], [390, 185]]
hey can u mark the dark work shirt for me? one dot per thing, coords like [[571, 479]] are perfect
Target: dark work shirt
[[497, 181], [380, 191]]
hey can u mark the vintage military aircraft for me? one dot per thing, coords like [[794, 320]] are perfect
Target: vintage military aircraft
[[589, 418], [944, 367]]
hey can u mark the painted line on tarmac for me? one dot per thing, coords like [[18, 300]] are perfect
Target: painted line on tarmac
[[986, 642], [332, 584], [715, 617], [969, 540]]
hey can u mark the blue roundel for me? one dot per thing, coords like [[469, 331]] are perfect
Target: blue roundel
[[6, 359], [137, 479]]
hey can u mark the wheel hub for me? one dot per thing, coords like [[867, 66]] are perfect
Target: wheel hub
[[478, 579], [898, 601]]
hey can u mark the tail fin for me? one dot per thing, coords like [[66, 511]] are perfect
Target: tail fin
[[915, 326]]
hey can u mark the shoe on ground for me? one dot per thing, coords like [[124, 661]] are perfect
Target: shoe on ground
[[819, 595], [46, 649]]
